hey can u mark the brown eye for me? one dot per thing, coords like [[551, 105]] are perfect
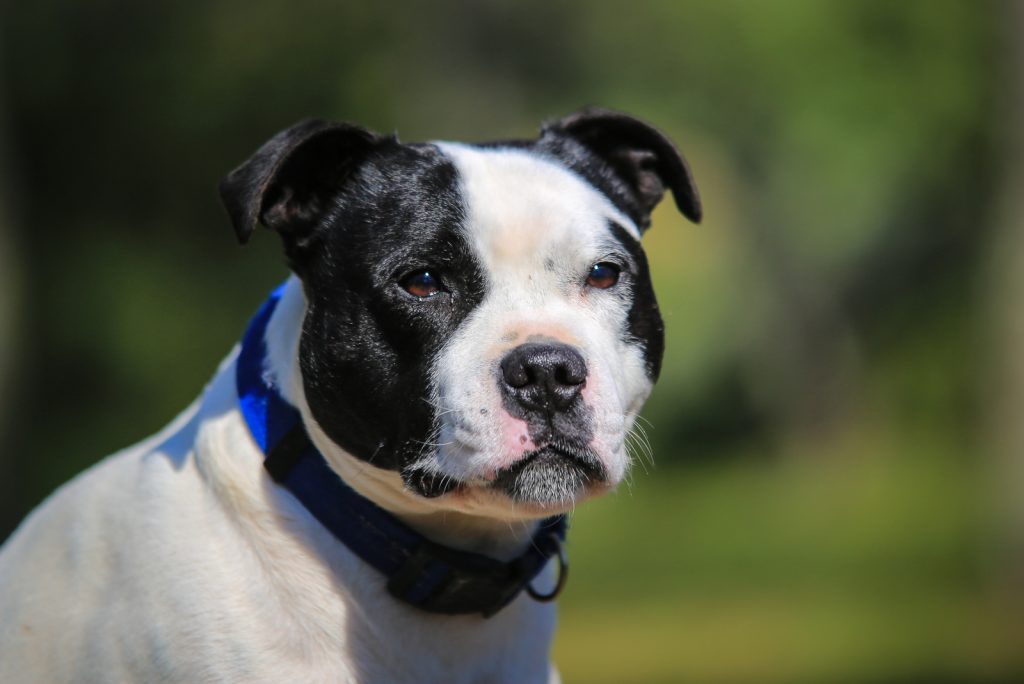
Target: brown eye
[[422, 284], [603, 275]]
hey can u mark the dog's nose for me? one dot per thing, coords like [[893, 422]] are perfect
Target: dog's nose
[[543, 377]]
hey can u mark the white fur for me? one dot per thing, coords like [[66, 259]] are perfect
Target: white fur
[[178, 560]]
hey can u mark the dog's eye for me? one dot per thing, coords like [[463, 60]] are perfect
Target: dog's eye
[[422, 284], [603, 275]]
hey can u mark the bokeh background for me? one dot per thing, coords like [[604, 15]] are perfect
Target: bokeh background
[[837, 489]]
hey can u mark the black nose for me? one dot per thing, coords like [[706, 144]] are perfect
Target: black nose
[[543, 377]]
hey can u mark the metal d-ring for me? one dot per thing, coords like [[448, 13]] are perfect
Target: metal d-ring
[[563, 575]]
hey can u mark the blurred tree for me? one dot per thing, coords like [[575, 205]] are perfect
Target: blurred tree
[[1005, 284]]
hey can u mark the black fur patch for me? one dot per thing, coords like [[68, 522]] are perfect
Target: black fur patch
[[643, 322], [366, 343]]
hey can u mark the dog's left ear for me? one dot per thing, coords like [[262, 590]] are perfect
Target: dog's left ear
[[287, 183], [638, 153]]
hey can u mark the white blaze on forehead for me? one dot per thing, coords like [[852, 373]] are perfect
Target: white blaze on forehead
[[521, 206]]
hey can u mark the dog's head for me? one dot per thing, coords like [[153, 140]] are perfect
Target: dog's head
[[479, 318]]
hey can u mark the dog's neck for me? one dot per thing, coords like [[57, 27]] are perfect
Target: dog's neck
[[499, 538]]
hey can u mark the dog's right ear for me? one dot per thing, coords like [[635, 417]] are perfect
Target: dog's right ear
[[287, 183], [641, 155]]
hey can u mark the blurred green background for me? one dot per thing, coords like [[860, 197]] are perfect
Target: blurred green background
[[837, 493]]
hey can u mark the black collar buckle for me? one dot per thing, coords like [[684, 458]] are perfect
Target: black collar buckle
[[443, 580]]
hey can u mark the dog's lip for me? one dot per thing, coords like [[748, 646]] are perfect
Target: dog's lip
[[583, 458], [431, 484]]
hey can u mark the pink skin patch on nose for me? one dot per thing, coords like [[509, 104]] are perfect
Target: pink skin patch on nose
[[515, 441]]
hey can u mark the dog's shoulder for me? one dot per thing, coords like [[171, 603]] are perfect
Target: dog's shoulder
[[131, 536]]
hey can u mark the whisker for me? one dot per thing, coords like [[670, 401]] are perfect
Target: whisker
[[639, 447], [644, 443], [432, 444]]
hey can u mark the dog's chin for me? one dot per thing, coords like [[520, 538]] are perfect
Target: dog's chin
[[551, 478], [545, 481]]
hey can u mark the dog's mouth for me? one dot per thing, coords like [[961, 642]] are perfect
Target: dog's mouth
[[552, 475]]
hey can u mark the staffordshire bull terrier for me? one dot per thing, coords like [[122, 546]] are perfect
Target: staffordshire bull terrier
[[373, 486]]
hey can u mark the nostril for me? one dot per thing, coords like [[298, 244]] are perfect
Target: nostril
[[571, 371], [514, 371]]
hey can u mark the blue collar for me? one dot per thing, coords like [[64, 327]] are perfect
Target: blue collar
[[429, 576]]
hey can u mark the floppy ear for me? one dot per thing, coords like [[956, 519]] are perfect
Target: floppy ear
[[638, 153], [286, 184]]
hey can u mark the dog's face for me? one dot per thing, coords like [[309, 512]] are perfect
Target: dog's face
[[479, 318]]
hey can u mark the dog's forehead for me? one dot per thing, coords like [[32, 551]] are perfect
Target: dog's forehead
[[521, 206]]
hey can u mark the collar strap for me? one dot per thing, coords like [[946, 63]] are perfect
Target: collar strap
[[420, 572]]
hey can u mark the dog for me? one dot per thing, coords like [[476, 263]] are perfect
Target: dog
[[373, 486]]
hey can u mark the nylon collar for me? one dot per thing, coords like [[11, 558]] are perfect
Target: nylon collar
[[419, 572]]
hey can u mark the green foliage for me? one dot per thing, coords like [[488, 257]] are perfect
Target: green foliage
[[860, 564]]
